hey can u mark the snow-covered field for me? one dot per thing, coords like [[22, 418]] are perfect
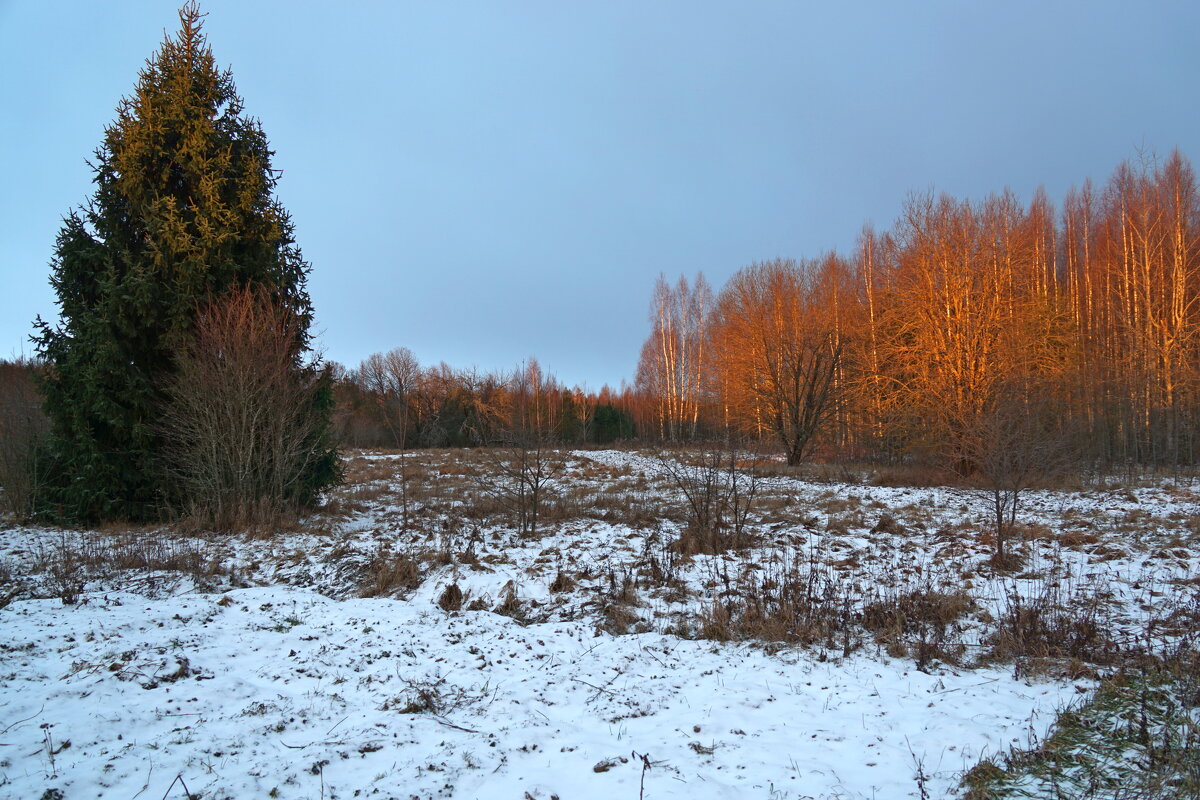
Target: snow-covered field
[[260, 671]]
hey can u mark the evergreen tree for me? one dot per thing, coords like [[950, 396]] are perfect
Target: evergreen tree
[[611, 424], [183, 212]]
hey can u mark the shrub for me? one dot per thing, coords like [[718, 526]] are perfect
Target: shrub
[[246, 429]]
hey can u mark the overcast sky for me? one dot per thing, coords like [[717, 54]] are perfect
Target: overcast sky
[[484, 182]]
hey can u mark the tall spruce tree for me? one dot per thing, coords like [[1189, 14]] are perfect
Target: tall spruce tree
[[183, 211]]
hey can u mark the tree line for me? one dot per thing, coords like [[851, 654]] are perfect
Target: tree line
[[964, 314], [390, 400]]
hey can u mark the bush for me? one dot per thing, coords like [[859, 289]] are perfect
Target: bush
[[246, 423]]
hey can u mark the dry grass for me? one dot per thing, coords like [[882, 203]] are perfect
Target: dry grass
[[915, 476], [389, 571], [451, 598], [924, 623], [118, 554], [1053, 624], [841, 599], [790, 600], [837, 568]]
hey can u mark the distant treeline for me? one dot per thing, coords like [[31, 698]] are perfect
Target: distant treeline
[[390, 400]]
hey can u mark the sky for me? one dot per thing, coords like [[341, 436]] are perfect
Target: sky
[[485, 182]]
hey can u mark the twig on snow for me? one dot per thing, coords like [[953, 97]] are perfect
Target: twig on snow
[[18, 722], [594, 686], [178, 779], [438, 719], [972, 686], [646, 765]]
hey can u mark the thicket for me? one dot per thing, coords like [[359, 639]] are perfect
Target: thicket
[[245, 426]]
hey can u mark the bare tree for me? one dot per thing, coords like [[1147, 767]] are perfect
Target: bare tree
[[674, 357], [1018, 439], [779, 352], [241, 435], [23, 431], [526, 458], [392, 378], [520, 476], [718, 497]]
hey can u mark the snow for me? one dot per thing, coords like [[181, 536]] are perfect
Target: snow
[[287, 690], [282, 682]]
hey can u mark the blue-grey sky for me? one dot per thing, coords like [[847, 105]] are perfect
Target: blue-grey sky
[[487, 181]]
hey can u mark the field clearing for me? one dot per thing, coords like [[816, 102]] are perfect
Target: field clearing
[[846, 639]]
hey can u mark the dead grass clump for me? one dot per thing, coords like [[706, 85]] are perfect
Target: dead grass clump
[[1136, 521], [716, 623], [1010, 561], [619, 600], [8, 580], [65, 566], [887, 524], [841, 525], [925, 621], [661, 566], [618, 619], [622, 587], [1042, 626], [1033, 532], [451, 598], [387, 572], [1077, 539], [794, 601], [509, 605], [562, 583]]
